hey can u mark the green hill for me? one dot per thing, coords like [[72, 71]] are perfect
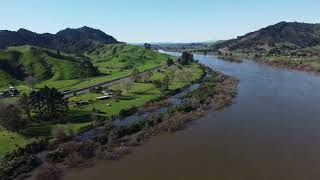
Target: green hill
[[16, 63], [284, 38], [125, 57], [113, 61]]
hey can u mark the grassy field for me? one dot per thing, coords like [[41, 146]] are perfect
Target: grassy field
[[139, 94], [175, 83], [65, 85], [9, 141]]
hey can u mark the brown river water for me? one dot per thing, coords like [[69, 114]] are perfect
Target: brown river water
[[271, 132]]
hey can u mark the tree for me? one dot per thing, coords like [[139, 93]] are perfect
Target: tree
[[179, 74], [172, 72], [186, 58], [117, 93], [165, 83], [126, 85], [147, 76], [147, 46], [24, 103], [48, 103], [87, 69], [170, 62], [10, 118]]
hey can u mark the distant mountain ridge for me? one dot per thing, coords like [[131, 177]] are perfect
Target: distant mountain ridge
[[283, 35], [68, 40]]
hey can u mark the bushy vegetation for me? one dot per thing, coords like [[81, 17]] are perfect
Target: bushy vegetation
[[11, 119], [21, 160], [73, 149], [47, 104]]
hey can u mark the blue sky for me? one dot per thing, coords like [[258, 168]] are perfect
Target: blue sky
[[157, 20]]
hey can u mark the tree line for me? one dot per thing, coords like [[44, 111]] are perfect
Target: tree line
[[47, 104]]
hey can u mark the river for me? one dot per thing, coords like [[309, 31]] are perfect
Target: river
[[271, 132]]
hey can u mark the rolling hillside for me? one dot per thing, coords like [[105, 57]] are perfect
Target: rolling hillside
[[68, 40], [50, 58], [16, 63], [127, 57]]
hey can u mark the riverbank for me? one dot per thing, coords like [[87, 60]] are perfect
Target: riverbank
[[270, 131], [215, 92], [306, 64]]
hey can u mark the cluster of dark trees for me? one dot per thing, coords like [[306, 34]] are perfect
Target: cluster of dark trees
[[21, 160], [186, 58], [147, 46], [170, 62], [43, 105]]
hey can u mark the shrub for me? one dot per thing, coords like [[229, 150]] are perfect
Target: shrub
[[22, 160], [84, 149]]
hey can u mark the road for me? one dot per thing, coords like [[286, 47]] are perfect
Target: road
[[107, 83]]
